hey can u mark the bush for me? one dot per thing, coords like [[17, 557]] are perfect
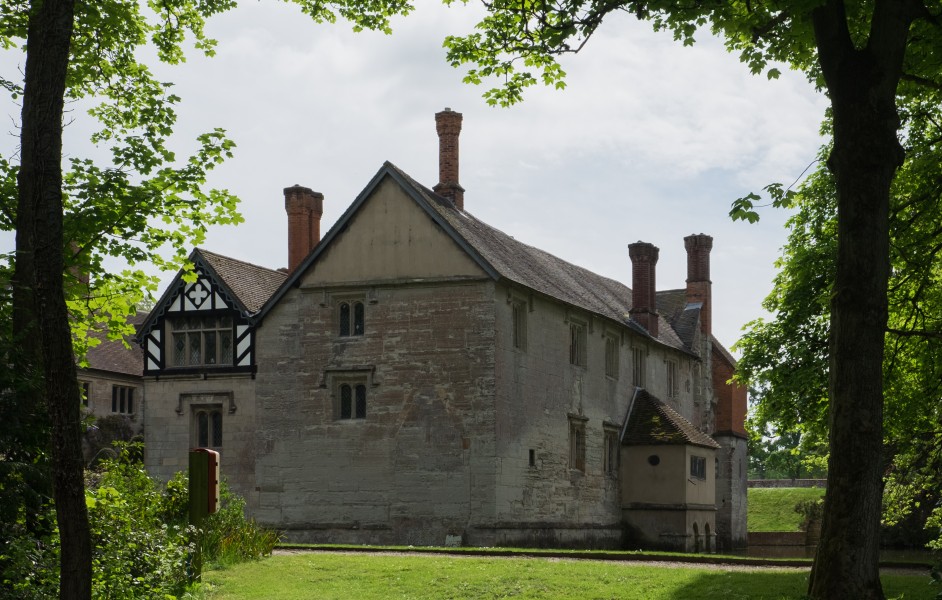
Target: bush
[[137, 554], [142, 544], [229, 538], [810, 511]]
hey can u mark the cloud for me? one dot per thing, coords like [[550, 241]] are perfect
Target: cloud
[[650, 140]]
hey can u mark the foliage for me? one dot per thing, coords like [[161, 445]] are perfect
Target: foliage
[[136, 553], [25, 490], [226, 536], [142, 541], [137, 198], [102, 432], [132, 206], [773, 509], [787, 357], [368, 576], [810, 511], [871, 58], [784, 455]]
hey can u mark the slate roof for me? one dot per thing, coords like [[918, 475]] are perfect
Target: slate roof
[[650, 422], [536, 269], [503, 257], [684, 318], [250, 284], [113, 356]]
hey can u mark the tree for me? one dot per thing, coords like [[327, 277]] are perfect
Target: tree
[[864, 55], [68, 223], [787, 356]]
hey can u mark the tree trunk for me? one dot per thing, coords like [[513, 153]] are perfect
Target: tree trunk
[[847, 561], [862, 85], [40, 246]]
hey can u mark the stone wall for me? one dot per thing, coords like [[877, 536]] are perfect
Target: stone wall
[[170, 429], [420, 467], [731, 493], [100, 384]]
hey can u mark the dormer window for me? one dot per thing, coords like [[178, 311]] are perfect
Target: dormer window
[[351, 318], [201, 341]]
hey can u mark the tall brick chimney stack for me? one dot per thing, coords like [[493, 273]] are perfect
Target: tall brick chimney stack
[[643, 300], [448, 125], [304, 207], [698, 277]]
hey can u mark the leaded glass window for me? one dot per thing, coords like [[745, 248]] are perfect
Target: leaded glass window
[[201, 341]]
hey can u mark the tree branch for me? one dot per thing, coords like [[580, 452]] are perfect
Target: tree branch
[[915, 333]]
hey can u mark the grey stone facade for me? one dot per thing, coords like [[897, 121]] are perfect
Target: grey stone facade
[[422, 378]]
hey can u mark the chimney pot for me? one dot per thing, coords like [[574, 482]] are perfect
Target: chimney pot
[[644, 285], [448, 126], [305, 208], [699, 286]]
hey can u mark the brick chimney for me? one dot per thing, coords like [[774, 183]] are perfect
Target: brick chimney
[[448, 125], [304, 208], [643, 301], [698, 277]]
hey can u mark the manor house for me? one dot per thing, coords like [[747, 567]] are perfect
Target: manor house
[[417, 376]]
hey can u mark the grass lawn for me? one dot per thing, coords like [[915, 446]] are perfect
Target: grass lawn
[[326, 576], [773, 509]]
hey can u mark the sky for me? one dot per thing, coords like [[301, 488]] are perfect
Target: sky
[[649, 141]]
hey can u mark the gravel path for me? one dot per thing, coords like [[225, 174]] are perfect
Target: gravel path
[[667, 564]]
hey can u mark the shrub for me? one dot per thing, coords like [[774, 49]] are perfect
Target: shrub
[[136, 553], [810, 511], [229, 538], [142, 543]]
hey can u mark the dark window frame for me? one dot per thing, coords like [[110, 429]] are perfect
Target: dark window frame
[[351, 318], [611, 356], [518, 317], [122, 399], [207, 426], [577, 444], [199, 336], [698, 467], [611, 449], [578, 344]]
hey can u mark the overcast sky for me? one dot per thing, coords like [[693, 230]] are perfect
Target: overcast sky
[[650, 141]]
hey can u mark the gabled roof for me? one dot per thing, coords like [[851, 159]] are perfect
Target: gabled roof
[[650, 422], [251, 285], [245, 285], [113, 356], [501, 257]]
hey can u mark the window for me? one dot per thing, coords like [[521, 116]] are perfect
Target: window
[[352, 401], [122, 399], [698, 467], [86, 387], [577, 443], [637, 366], [611, 356], [519, 316], [577, 344], [532, 457], [351, 318], [208, 432], [201, 341], [611, 449], [672, 387]]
